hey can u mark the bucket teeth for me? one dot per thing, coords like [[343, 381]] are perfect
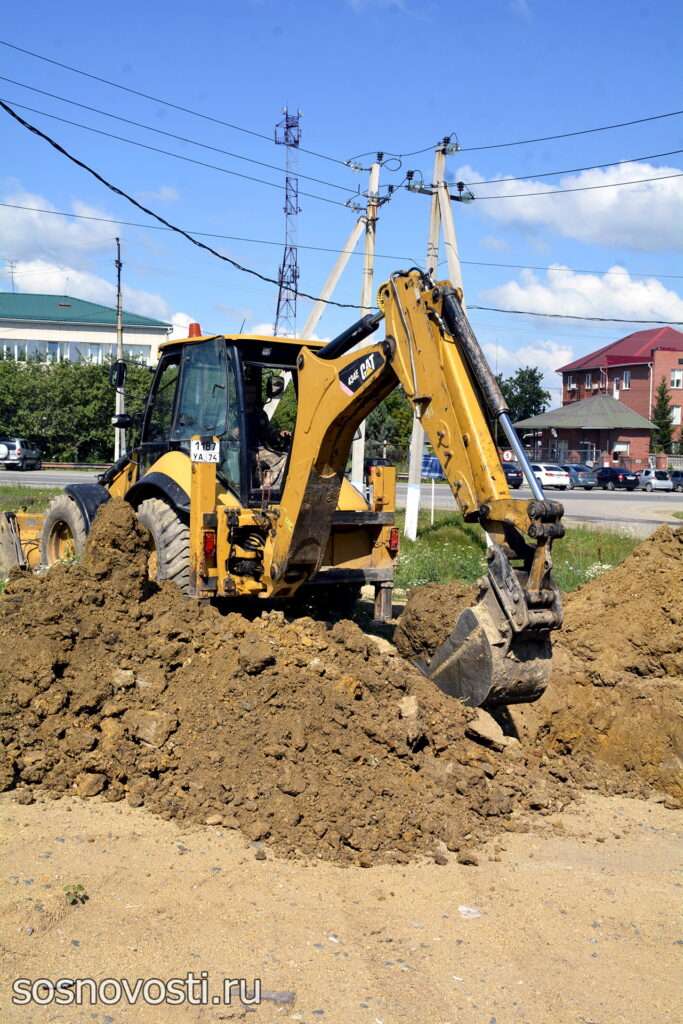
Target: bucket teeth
[[483, 662]]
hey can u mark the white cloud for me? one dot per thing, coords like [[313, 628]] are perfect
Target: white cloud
[[494, 243], [521, 8], [646, 216], [164, 194], [362, 5], [28, 233], [39, 276], [181, 323], [615, 293]]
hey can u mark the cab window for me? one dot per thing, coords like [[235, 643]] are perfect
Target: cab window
[[202, 401], [160, 410]]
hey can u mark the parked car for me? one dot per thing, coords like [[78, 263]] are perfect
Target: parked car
[[513, 475], [18, 453], [655, 480], [550, 475], [677, 479], [580, 476], [612, 477]]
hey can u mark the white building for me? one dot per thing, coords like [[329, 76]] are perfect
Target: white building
[[58, 327]]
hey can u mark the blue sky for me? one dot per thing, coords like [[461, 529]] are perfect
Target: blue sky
[[392, 75]]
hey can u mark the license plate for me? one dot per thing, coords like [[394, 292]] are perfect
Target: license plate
[[204, 451]]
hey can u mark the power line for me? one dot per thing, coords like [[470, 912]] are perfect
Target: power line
[[562, 270], [330, 249], [570, 135], [573, 316], [581, 188], [134, 202], [157, 99], [169, 135], [168, 152], [577, 170]]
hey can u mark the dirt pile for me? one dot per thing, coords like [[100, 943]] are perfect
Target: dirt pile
[[302, 734], [613, 713]]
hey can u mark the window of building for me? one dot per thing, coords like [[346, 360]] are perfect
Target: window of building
[[571, 382], [589, 380], [626, 380], [677, 378], [676, 410]]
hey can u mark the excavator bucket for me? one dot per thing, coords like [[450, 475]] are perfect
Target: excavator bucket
[[484, 662], [19, 541]]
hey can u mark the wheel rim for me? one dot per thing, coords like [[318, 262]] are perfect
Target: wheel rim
[[61, 545]]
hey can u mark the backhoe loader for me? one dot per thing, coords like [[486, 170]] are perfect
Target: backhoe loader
[[236, 511]]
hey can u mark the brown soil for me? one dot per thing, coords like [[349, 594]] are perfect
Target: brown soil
[[301, 734], [429, 617], [613, 711]]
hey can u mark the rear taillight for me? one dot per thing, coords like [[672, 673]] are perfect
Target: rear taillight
[[210, 545], [394, 540]]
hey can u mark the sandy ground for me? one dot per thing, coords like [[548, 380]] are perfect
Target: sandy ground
[[576, 922]]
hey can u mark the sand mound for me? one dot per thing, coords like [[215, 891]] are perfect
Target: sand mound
[[301, 734], [613, 710]]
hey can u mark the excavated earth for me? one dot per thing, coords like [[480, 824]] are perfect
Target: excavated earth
[[305, 735], [302, 734], [612, 717]]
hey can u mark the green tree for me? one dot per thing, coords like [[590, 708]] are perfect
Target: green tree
[[663, 419], [524, 393], [391, 421], [66, 408]]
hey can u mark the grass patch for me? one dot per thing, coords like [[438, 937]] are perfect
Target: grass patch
[[454, 550], [677, 515], [20, 498]]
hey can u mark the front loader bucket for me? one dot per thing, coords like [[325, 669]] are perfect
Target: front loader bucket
[[11, 556], [483, 662], [19, 541]]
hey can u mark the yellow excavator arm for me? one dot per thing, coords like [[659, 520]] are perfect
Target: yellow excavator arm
[[499, 650]]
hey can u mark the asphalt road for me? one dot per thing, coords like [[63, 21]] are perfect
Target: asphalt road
[[636, 511]]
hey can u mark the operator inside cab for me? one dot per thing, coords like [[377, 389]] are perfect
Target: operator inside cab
[[269, 446], [272, 449]]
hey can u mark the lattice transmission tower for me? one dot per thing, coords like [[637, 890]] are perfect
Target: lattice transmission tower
[[288, 134]]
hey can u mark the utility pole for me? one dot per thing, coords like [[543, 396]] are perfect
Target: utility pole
[[119, 432], [11, 266], [288, 134], [440, 214], [373, 204], [333, 278]]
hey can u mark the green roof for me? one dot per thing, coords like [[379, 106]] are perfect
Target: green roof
[[67, 310], [601, 412]]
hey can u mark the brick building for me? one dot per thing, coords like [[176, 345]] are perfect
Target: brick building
[[597, 430], [630, 370]]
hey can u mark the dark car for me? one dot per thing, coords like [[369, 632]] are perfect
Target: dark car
[[677, 479], [580, 476], [612, 477], [513, 474]]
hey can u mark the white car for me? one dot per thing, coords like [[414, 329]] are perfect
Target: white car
[[655, 480], [550, 475]]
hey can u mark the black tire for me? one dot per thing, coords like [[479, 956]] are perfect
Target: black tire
[[588, 488], [171, 539], [611, 486], [62, 538], [563, 488], [648, 488], [572, 485]]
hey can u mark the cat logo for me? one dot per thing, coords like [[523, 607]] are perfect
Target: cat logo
[[356, 373]]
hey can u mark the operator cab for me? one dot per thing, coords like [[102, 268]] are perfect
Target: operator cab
[[226, 387]]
